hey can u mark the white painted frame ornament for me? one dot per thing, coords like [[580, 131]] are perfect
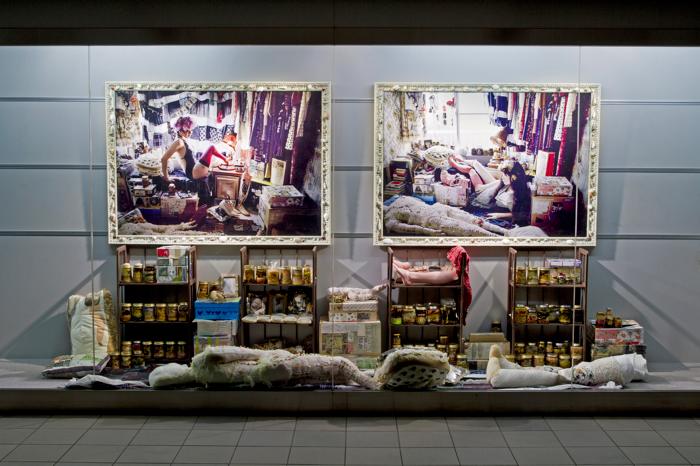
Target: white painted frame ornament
[[324, 238], [379, 239]]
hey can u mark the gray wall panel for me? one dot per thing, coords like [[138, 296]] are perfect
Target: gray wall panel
[[45, 272], [643, 73], [358, 67], [43, 71], [209, 63], [352, 202], [52, 200], [649, 203], [45, 133], [648, 136], [353, 133], [656, 283]]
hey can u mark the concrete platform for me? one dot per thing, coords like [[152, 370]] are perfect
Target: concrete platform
[[669, 391]]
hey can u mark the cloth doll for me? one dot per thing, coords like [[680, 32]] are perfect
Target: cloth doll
[[621, 370], [83, 326], [235, 365]]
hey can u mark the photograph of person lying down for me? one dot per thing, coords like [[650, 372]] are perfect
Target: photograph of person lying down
[[485, 164], [206, 163]]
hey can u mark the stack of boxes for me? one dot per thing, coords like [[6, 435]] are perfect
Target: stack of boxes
[[172, 264], [616, 341], [352, 330], [217, 323]]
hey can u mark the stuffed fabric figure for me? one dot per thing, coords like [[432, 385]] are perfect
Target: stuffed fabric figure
[[82, 326], [621, 370], [235, 365], [412, 368]]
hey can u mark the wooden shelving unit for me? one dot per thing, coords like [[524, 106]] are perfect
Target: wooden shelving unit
[[531, 295], [279, 329], [129, 292], [422, 294]]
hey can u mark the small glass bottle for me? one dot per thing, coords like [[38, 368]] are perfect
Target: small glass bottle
[[161, 315], [171, 312], [137, 273], [181, 349], [183, 311], [126, 273], [307, 275], [149, 312]]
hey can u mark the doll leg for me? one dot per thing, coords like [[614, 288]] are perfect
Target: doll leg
[[438, 277]]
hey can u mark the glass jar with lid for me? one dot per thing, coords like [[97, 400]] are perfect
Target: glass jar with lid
[[146, 349], [149, 274], [531, 316], [307, 275], [525, 360], [137, 312], [126, 273], [273, 276], [171, 312], [544, 276], [181, 352], [408, 315], [564, 361], [396, 314], [183, 311], [538, 360], [396, 340], [565, 314], [433, 315], [149, 312], [520, 314], [297, 276], [552, 359], [421, 314], [248, 274], [531, 348], [542, 314], [137, 273], [160, 312], [260, 274], [158, 350], [285, 275], [125, 315], [532, 276], [520, 275], [519, 349], [170, 350]]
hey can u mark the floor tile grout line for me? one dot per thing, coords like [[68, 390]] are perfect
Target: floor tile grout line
[[76, 441]]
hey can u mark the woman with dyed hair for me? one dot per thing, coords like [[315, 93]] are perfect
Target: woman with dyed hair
[[194, 169]]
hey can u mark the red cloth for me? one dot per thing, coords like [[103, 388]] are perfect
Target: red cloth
[[455, 256]]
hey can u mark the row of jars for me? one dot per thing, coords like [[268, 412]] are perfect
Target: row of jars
[[160, 312], [134, 354], [547, 275], [442, 344], [546, 314], [551, 354], [424, 314], [138, 273], [273, 275], [606, 319]]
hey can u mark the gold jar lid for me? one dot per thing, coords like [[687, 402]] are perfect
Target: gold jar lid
[[157, 342], [146, 343], [181, 342], [172, 305], [576, 345], [160, 305], [126, 265], [138, 265], [149, 305], [184, 303], [564, 356], [169, 342], [126, 304], [137, 304]]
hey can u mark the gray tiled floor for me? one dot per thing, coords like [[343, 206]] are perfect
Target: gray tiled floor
[[347, 441]]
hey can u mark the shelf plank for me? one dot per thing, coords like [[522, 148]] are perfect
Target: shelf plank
[[276, 286], [578, 324], [154, 284], [579, 285], [426, 325], [156, 322]]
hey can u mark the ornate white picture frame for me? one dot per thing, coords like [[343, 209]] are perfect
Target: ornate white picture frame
[[486, 164], [244, 163]]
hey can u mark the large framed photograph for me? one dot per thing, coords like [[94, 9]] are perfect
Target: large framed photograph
[[218, 163], [486, 164]]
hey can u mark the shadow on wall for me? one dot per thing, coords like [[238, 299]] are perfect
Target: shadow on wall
[[32, 342]]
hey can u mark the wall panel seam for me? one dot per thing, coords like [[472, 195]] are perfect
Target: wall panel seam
[[340, 235]]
